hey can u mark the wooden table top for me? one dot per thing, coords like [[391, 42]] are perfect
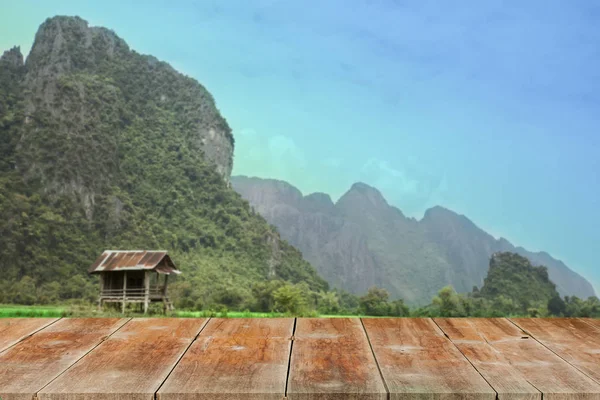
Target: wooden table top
[[303, 358]]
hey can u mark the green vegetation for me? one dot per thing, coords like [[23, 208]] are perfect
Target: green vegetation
[[512, 277], [101, 148], [14, 311], [500, 296], [376, 303], [513, 287]]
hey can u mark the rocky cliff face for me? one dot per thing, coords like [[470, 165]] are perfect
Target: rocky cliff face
[[362, 241], [12, 58], [74, 68]]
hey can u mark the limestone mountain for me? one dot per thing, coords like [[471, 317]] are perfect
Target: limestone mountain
[[361, 241], [102, 147], [513, 277]]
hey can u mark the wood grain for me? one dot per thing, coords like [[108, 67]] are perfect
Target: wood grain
[[234, 359], [33, 363], [131, 364], [13, 330], [574, 340], [418, 362], [595, 323], [492, 365], [551, 375], [331, 360]]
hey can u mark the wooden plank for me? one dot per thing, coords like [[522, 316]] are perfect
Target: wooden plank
[[418, 362], [595, 323], [492, 365], [30, 365], [131, 364], [574, 340], [234, 359], [332, 359], [13, 330], [550, 374]]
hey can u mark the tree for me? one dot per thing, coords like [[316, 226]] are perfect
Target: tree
[[23, 292], [591, 308], [503, 306], [448, 303], [557, 306], [263, 294], [375, 302], [349, 303], [290, 299], [399, 309], [328, 303]]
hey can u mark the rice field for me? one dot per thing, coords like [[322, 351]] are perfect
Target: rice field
[[19, 311], [16, 311]]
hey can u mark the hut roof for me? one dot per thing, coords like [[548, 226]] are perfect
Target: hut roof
[[134, 260]]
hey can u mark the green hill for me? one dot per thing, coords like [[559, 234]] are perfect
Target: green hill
[[512, 277], [102, 147]]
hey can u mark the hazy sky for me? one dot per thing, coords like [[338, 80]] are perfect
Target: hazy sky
[[490, 108]]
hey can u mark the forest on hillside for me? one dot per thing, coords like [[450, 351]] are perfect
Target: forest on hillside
[[513, 288], [101, 147]]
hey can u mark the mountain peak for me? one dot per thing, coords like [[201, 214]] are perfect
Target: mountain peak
[[361, 191], [318, 202], [439, 211], [363, 187], [12, 57], [360, 197], [266, 191], [67, 42], [321, 198]]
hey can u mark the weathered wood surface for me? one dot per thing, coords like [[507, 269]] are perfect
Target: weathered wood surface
[[491, 364], [13, 330], [550, 374], [574, 340], [593, 322], [131, 364], [33, 363], [418, 362], [234, 359], [332, 359]]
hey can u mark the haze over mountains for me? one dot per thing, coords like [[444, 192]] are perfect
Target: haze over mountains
[[361, 241]]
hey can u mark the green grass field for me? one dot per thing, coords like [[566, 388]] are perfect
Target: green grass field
[[14, 311], [18, 311]]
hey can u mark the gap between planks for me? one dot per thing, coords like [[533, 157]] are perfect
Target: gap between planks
[[552, 351], [31, 334], [156, 394], [469, 361], [375, 358], [287, 378], [35, 396], [292, 339]]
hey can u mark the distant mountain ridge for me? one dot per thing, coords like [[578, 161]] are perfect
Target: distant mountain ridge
[[361, 241]]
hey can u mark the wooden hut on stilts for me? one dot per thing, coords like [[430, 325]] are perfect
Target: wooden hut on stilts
[[134, 276]]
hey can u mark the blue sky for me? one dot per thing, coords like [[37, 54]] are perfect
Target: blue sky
[[489, 108]]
